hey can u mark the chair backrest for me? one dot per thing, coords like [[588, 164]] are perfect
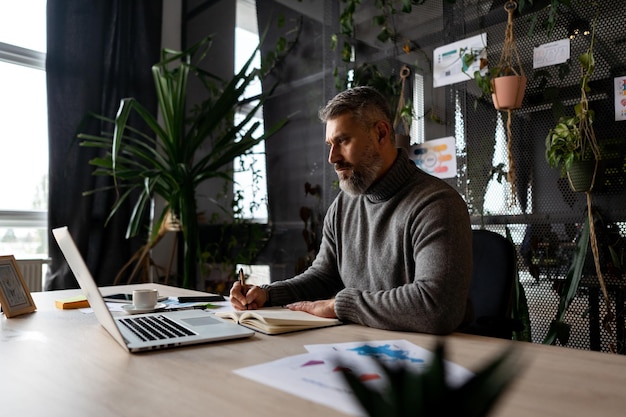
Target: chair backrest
[[493, 277]]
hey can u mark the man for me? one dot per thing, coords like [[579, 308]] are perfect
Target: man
[[396, 245]]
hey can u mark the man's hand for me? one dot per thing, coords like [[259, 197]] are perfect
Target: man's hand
[[321, 308], [249, 297]]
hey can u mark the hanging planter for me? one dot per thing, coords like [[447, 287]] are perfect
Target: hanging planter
[[571, 144], [508, 84], [508, 92], [403, 114], [582, 175], [508, 81]]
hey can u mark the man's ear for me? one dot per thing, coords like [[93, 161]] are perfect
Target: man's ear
[[383, 130]]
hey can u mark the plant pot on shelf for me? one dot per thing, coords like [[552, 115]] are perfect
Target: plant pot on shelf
[[508, 91], [583, 175]]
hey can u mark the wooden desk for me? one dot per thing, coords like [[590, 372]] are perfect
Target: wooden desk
[[63, 363]]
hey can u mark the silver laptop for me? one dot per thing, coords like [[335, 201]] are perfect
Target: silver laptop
[[137, 333]]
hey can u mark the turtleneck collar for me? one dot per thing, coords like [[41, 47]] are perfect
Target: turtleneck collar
[[387, 186]]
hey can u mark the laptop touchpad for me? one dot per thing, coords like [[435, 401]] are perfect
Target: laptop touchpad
[[201, 321]]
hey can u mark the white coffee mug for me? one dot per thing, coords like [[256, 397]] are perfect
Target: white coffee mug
[[145, 298]]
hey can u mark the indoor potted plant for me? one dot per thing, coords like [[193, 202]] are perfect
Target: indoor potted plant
[[505, 83], [174, 161], [572, 141], [572, 146]]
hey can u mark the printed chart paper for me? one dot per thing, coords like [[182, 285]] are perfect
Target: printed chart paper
[[316, 375], [552, 53], [448, 65]]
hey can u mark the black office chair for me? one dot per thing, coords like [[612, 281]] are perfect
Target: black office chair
[[491, 291]]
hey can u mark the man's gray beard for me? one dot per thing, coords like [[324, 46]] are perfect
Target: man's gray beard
[[363, 176]]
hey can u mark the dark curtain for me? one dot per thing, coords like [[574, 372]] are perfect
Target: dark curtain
[[99, 51]]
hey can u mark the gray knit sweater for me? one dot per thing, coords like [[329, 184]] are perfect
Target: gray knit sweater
[[397, 257]]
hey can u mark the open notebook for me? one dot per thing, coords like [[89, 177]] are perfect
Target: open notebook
[[146, 331], [277, 320]]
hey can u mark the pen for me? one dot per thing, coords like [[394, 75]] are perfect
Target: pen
[[242, 281], [200, 298], [198, 307]]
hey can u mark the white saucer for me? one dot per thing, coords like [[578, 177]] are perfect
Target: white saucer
[[131, 309]]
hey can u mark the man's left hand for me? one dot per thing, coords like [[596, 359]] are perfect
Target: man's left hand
[[321, 308]]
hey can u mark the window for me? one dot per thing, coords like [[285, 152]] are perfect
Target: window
[[24, 130], [250, 172], [419, 112]]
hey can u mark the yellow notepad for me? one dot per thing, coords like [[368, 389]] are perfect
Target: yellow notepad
[[277, 320], [80, 301]]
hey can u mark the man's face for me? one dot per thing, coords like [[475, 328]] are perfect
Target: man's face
[[354, 153]]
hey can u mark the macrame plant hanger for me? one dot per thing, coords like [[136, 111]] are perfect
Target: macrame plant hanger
[[405, 72], [509, 60]]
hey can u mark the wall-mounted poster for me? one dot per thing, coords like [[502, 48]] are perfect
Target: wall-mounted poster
[[448, 65], [620, 98], [436, 157], [552, 53]]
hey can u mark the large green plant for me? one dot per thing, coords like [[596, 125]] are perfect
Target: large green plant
[[186, 147]]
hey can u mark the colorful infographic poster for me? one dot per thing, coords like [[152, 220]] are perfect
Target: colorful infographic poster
[[436, 156], [620, 98]]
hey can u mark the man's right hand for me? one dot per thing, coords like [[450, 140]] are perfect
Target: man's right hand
[[249, 298]]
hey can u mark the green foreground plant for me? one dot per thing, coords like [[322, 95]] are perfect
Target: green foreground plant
[[428, 393], [184, 150]]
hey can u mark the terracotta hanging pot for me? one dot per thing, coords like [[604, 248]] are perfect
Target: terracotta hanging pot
[[508, 88], [508, 91]]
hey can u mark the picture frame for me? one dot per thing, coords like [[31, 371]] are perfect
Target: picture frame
[[15, 298]]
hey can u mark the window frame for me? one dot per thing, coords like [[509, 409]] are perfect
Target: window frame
[[36, 219]]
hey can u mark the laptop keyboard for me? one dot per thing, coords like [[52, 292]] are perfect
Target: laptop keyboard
[[156, 327]]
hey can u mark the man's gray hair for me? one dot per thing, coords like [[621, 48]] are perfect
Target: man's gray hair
[[365, 104]]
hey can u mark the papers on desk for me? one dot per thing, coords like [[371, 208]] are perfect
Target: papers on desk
[[316, 375], [171, 303]]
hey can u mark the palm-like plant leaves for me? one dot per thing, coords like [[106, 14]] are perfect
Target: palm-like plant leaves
[[559, 329], [182, 151]]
